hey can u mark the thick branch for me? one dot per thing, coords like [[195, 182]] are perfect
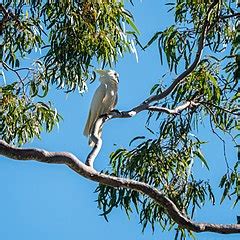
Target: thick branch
[[75, 164], [87, 171]]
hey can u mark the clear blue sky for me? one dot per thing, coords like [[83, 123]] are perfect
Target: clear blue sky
[[47, 202]]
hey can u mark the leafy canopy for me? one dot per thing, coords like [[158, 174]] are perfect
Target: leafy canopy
[[165, 161], [73, 37]]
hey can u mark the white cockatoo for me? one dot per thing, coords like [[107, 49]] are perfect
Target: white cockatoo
[[104, 100]]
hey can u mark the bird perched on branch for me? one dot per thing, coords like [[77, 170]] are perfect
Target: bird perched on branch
[[104, 100]]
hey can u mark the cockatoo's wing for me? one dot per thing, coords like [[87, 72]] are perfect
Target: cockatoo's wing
[[95, 109], [116, 100]]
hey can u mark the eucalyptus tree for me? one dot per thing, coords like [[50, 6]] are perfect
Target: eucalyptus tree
[[154, 177]]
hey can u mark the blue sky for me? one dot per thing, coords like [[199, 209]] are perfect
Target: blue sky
[[40, 201]]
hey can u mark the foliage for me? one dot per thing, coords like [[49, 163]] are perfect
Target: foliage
[[166, 162], [70, 38], [21, 119], [153, 162]]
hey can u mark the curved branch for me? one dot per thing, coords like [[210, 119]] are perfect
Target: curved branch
[[76, 165], [97, 141], [87, 171], [128, 114], [146, 104], [13, 70]]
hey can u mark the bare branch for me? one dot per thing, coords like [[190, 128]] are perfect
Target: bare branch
[[177, 110], [88, 172], [224, 146], [98, 141]]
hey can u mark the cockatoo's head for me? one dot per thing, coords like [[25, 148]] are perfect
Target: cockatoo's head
[[108, 75]]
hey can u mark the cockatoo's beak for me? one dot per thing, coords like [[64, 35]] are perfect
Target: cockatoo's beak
[[100, 71]]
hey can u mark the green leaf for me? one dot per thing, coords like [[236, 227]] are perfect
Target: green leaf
[[153, 89], [223, 180], [153, 39], [136, 138], [131, 23], [199, 154]]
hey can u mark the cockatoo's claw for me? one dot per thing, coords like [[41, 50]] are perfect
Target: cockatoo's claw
[[116, 111], [105, 115]]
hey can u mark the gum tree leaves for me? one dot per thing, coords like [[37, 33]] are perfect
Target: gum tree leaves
[[58, 43], [166, 161]]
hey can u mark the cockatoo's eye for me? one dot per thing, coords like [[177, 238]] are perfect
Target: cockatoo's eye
[[116, 75]]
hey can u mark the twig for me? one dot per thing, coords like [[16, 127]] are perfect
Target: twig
[[176, 111], [235, 111], [13, 70], [224, 148]]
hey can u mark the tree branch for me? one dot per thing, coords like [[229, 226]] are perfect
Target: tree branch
[[176, 111], [230, 16], [87, 170], [146, 104], [80, 168], [128, 114], [13, 70], [97, 140]]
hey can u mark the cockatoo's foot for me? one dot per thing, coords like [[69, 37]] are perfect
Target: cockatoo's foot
[[116, 112], [105, 115]]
